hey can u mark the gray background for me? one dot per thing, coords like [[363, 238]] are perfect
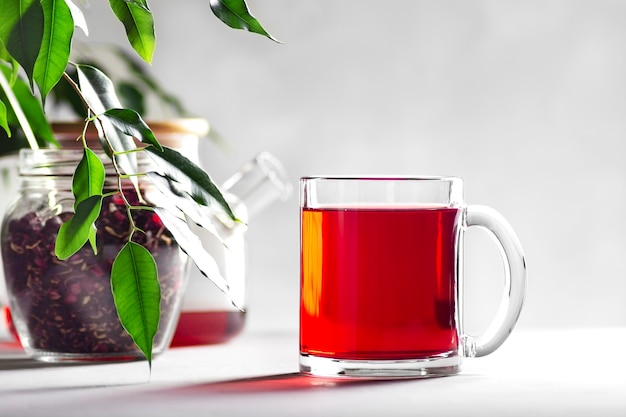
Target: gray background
[[523, 99]]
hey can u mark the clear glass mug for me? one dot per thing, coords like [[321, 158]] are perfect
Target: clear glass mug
[[381, 277]]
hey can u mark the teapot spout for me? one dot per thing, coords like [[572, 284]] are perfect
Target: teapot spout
[[257, 184]]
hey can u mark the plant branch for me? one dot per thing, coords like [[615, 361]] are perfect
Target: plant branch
[[76, 88], [19, 113], [120, 186]]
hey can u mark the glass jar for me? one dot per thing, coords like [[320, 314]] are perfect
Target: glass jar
[[64, 310]]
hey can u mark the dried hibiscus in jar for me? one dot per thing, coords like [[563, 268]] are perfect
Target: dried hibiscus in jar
[[64, 310]]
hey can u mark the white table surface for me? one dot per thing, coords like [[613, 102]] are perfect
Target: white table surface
[[574, 372]]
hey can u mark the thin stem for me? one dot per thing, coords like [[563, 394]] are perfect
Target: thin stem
[[148, 208], [76, 88], [83, 137], [19, 113], [129, 151], [139, 174], [129, 206]]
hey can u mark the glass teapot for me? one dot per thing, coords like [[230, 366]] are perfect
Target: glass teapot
[[208, 316]]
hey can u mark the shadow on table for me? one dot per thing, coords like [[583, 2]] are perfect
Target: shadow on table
[[12, 356], [273, 383], [24, 362]]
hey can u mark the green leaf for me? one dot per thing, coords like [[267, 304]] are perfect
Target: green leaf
[[15, 66], [88, 181], [78, 17], [137, 294], [130, 122], [88, 178], [235, 14], [3, 119], [64, 94], [15, 73], [131, 97], [139, 24], [192, 246], [4, 54], [75, 232], [92, 239], [21, 31], [138, 70], [99, 93], [31, 107], [192, 179], [55, 46], [176, 195], [97, 89]]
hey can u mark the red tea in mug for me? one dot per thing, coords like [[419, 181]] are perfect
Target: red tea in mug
[[379, 283]]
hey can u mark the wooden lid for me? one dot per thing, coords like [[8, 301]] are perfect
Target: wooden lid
[[168, 132]]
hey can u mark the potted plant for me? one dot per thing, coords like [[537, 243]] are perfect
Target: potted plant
[[106, 183]]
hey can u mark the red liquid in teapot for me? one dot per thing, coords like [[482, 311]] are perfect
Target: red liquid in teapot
[[207, 327]]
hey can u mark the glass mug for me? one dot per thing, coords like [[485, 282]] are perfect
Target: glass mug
[[381, 277]]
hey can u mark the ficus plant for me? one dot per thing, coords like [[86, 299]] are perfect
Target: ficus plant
[[35, 44]]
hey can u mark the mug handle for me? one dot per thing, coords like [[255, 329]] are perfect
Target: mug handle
[[514, 285]]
